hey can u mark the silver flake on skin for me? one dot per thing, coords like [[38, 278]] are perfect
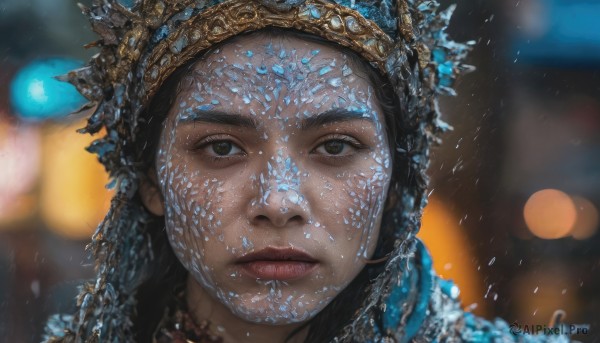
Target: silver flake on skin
[[205, 207]]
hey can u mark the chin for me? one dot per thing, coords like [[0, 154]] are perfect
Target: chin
[[275, 309]]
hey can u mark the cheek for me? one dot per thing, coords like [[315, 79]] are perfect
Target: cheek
[[203, 216], [365, 189], [363, 200], [192, 206], [357, 202]]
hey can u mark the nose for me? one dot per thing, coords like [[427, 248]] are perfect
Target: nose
[[279, 202]]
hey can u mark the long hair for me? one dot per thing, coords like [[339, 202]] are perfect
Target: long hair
[[167, 275]]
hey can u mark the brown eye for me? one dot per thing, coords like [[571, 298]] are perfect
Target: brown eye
[[219, 148], [334, 147], [222, 148]]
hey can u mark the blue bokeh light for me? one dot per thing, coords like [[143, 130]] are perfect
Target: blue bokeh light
[[569, 35], [35, 94]]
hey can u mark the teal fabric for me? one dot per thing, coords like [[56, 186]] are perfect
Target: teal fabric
[[421, 283]]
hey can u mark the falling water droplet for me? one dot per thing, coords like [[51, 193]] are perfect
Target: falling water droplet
[[35, 288], [488, 291]]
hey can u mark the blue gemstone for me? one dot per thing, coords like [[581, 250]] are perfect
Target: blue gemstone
[[449, 288], [127, 3], [324, 70], [205, 107], [445, 72], [439, 56], [315, 13], [261, 70], [445, 68], [160, 34], [35, 94], [278, 69]]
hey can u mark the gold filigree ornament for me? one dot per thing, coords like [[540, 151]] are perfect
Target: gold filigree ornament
[[330, 21]]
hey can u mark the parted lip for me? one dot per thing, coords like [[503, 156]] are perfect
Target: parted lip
[[277, 254]]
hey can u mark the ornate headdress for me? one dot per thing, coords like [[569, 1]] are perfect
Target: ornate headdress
[[143, 41]]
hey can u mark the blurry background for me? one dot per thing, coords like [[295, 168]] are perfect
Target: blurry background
[[513, 216]]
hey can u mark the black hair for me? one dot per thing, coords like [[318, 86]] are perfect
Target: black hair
[[168, 275]]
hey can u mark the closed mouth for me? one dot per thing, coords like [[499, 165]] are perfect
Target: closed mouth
[[277, 264], [277, 254]]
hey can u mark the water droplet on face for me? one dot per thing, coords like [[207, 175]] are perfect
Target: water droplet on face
[[324, 70], [261, 70], [335, 82], [277, 69]]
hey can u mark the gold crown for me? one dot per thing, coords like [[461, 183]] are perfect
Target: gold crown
[[148, 42], [330, 21]]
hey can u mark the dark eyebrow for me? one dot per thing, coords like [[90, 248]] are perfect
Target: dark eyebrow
[[218, 117], [327, 117], [333, 116]]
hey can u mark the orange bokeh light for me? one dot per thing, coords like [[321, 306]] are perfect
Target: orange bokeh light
[[550, 214], [452, 252], [73, 198], [587, 218]]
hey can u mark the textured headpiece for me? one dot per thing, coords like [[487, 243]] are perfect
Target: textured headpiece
[[142, 42]]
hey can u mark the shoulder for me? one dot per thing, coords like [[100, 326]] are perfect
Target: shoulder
[[476, 329], [430, 311], [446, 321]]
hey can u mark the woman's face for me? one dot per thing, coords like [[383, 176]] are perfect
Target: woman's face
[[274, 166]]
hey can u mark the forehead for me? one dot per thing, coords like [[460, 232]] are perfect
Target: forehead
[[278, 75], [275, 48]]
